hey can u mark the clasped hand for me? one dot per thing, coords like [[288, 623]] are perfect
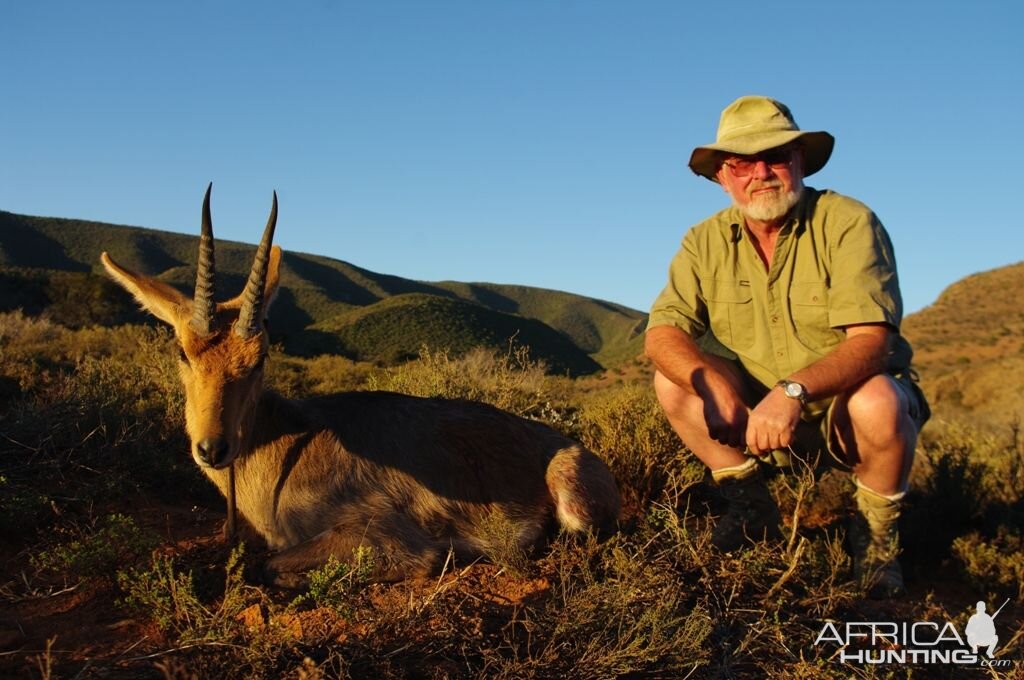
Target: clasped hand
[[772, 422], [769, 425]]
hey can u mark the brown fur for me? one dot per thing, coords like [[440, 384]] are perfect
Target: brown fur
[[410, 477]]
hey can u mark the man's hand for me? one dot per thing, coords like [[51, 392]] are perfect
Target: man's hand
[[678, 359], [772, 422], [724, 410]]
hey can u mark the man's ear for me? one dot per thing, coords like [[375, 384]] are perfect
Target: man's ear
[[798, 161], [156, 297]]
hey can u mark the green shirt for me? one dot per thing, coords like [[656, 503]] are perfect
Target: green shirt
[[833, 267]]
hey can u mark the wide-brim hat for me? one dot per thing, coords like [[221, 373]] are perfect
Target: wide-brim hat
[[751, 125]]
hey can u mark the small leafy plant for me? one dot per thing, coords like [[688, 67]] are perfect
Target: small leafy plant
[[96, 553], [331, 585], [168, 596]]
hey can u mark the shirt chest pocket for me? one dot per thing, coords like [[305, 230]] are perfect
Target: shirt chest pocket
[[731, 312], [808, 305]]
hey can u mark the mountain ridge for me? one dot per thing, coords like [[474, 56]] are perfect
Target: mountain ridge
[[314, 288]]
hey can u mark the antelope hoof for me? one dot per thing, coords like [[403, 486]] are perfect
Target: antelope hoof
[[288, 580]]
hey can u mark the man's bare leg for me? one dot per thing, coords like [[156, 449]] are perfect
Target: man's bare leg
[[878, 436], [685, 412], [753, 514]]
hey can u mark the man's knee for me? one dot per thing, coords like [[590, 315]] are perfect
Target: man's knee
[[878, 408], [673, 398]]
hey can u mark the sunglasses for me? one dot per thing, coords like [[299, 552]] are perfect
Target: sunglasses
[[776, 159]]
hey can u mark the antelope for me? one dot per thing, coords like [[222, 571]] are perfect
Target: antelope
[[409, 477]]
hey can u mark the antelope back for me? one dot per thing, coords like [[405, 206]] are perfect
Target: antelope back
[[222, 346]]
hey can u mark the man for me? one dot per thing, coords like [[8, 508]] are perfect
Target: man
[[778, 334]]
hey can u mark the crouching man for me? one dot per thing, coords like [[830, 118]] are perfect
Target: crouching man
[[778, 334]]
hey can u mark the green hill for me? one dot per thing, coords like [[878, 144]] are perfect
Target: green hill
[[395, 329], [610, 333], [969, 348], [52, 264]]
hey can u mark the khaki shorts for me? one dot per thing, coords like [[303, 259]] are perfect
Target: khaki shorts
[[814, 441]]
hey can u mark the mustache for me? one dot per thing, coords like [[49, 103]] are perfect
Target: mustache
[[766, 184]]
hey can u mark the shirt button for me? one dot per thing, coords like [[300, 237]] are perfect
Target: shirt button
[[779, 354], [814, 298], [775, 319]]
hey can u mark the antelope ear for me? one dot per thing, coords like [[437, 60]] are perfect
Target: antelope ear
[[156, 297], [269, 288], [273, 279]]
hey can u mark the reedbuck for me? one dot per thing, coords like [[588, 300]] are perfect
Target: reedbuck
[[411, 478]]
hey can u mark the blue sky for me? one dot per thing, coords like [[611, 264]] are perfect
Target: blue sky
[[539, 143]]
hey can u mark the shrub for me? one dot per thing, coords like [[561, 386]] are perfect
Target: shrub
[[95, 553], [332, 584], [297, 377], [609, 614], [168, 597], [21, 507], [503, 548], [161, 593], [628, 429], [996, 564], [943, 499], [229, 637], [512, 382], [101, 407]]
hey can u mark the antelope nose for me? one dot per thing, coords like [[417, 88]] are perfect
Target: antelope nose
[[212, 451]]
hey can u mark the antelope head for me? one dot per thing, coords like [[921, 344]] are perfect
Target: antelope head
[[222, 344]]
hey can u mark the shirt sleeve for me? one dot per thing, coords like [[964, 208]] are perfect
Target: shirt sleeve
[[864, 286], [680, 303]]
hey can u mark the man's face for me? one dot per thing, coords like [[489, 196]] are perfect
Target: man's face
[[764, 187]]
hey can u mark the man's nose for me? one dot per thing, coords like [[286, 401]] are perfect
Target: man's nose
[[761, 169]]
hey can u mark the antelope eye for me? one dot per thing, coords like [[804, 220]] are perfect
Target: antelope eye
[[181, 355]]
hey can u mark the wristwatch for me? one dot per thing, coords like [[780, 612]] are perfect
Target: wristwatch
[[793, 390]]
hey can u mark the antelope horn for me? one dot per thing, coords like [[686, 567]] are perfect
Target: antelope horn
[[202, 305], [252, 299]]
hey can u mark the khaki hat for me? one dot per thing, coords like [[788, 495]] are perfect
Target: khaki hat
[[753, 124]]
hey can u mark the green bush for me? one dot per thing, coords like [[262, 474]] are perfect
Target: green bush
[[993, 565], [168, 597], [21, 507], [94, 553], [331, 585]]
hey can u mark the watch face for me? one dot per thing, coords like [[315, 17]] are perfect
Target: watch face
[[795, 390]]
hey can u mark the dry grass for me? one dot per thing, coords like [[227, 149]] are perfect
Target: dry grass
[[89, 430]]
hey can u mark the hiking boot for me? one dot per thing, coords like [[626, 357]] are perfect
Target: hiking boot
[[875, 543], [752, 515]]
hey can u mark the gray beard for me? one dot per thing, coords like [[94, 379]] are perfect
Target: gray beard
[[771, 210]]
